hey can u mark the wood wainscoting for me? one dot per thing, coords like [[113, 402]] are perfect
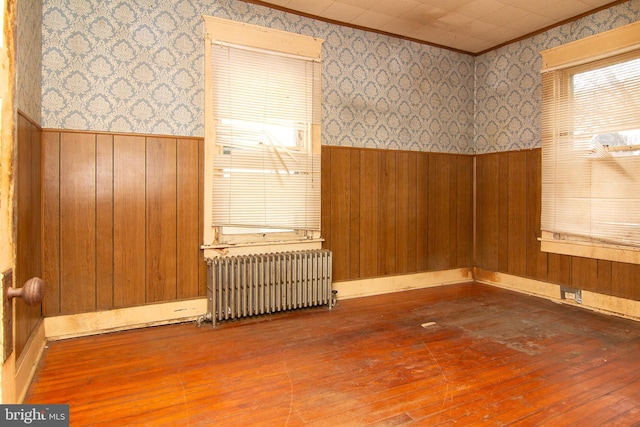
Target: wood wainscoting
[[387, 212], [122, 217], [122, 221], [508, 227], [29, 225]]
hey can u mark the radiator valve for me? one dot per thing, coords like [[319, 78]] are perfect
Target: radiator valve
[[208, 317]]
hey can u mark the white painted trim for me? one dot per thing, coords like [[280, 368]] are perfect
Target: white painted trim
[[76, 325], [606, 304], [28, 362], [388, 284]]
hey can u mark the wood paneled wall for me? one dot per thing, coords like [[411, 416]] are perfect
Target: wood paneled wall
[[508, 226], [28, 220], [390, 212], [122, 221]]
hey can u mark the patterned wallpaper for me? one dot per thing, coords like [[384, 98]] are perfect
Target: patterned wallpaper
[[509, 84], [123, 66], [126, 66], [29, 63]]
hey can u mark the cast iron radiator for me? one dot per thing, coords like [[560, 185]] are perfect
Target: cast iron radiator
[[250, 285]]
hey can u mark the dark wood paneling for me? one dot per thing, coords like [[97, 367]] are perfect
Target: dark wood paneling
[[503, 212], [369, 213], [488, 190], [340, 213], [464, 206], [188, 219], [51, 222], [559, 269], [536, 259], [77, 222], [422, 207], [161, 220], [28, 211], [403, 209], [129, 220], [583, 272], [517, 213], [202, 271], [624, 280], [354, 218], [104, 222], [325, 197], [122, 220], [411, 167], [518, 194], [402, 212], [387, 255], [439, 234]]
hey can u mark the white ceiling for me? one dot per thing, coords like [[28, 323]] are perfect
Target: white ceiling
[[471, 26]]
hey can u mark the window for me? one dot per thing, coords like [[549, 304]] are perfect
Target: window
[[262, 134], [591, 147]]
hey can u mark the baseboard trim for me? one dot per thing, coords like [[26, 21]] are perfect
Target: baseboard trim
[[384, 285], [28, 361], [606, 304], [76, 325]]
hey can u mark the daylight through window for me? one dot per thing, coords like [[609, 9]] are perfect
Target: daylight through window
[[591, 158]]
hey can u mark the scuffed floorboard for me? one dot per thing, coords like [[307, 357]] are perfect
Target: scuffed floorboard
[[454, 355]]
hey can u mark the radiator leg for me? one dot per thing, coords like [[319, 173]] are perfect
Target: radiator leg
[[208, 317], [334, 299]]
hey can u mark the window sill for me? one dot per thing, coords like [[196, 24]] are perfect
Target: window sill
[[213, 251], [589, 249]]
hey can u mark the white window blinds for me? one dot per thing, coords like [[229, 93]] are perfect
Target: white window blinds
[[266, 110], [591, 151]]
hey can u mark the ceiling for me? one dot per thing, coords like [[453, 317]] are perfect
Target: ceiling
[[471, 26]]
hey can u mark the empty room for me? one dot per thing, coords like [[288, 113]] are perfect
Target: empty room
[[449, 236]]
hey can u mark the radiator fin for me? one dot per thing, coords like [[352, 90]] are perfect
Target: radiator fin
[[250, 285]]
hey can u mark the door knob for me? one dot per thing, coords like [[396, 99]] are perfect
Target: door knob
[[31, 293]]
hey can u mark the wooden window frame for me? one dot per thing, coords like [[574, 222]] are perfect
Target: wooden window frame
[[262, 38], [580, 53]]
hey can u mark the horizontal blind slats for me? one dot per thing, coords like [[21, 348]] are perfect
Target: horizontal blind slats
[[586, 189]]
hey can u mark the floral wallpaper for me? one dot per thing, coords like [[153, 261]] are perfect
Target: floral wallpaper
[[124, 66], [137, 67], [509, 84], [29, 63]]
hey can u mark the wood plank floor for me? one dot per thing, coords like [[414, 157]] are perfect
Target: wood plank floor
[[456, 355]]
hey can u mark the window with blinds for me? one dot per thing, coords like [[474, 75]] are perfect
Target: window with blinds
[[263, 130], [591, 157]]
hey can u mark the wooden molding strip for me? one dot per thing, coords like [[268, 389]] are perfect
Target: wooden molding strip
[[109, 133], [76, 325], [606, 304], [28, 361], [388, 284]]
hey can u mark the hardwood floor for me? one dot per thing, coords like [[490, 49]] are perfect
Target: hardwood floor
[[455, 355]]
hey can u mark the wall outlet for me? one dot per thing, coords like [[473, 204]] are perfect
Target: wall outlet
[[569, 294]]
